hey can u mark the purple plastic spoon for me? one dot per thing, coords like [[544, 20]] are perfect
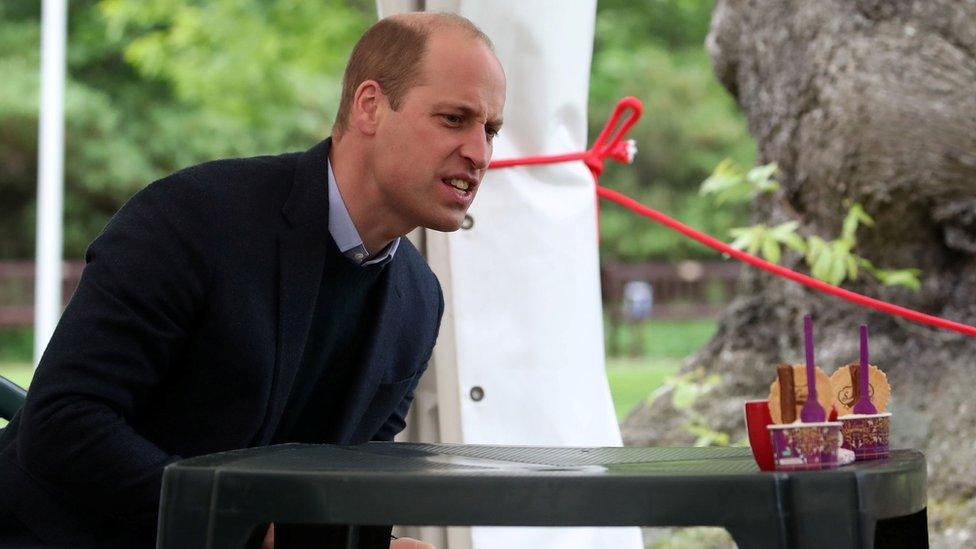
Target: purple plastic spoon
[[863, 405], [812, 411]]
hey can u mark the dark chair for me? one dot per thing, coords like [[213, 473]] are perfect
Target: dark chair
[[12, 398]]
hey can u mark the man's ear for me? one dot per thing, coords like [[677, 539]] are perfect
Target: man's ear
[[367, 106]]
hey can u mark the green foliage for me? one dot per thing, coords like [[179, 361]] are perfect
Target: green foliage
[[831, 261], [654, 51], [768, 239], [674, 24], [632, 379], [908, 278], [16, 344], [157, 85], [672, 338], [154, 86], [728, 184], [256, 60], [685, 389]]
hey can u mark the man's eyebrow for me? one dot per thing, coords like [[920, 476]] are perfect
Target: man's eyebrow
[[467, 111]]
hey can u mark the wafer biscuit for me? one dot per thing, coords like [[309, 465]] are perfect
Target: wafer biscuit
[[824, 393]]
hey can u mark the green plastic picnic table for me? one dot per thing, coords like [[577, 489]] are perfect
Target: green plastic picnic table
[[217, 501]]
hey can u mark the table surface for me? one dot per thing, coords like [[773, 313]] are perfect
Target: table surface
[[446, 484]]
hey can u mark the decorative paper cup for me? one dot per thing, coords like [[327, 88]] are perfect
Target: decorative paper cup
[[866, 434], [757, 419], [800, 446]]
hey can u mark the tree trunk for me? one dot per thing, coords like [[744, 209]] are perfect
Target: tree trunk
[[868, 101]]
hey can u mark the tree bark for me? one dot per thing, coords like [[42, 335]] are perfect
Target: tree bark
[[868, 101]]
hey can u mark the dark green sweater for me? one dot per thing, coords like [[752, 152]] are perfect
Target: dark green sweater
[[345, 302]]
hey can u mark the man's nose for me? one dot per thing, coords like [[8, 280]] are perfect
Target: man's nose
[[476, 148]]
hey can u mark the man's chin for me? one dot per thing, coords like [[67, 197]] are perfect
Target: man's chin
[[444, 225]]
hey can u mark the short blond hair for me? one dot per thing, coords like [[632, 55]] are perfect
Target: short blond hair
[[391, 52]]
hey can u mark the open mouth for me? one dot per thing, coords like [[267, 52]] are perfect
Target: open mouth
[[462, 187]]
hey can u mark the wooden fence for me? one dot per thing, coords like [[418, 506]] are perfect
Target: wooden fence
[[17, 290], [681, 289]]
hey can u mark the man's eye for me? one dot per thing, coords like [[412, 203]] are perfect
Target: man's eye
[[452, 119], [490, 133]]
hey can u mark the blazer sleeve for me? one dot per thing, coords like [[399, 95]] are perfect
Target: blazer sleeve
[[143, 285], [398, 419]]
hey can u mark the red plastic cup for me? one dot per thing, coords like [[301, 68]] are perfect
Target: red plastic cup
[[757, 419]]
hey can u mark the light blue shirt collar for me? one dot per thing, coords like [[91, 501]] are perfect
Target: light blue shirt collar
[[344, 232]]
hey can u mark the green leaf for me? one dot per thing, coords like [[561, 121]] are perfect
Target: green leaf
[[795, 242], [852, 267], [684, 396], [742, 242], [728, 184], [908, 278], [838, 268], [815, 247], [785, 233], [867, 265], [841, 247], [748, 238], [761, 178], [770, 249], [862, 215], [783, 229], [822, 264], [850, 226], [724, 178], [855, 216], [757, 240]]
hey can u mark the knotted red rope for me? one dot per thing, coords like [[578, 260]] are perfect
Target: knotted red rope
[[610, 144]]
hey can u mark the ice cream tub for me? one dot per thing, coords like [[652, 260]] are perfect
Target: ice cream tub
[[806, 446], [866, 434]]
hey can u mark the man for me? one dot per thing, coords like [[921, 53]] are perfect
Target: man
[[247, 302]]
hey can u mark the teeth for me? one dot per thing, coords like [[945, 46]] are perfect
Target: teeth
[[459, 184]]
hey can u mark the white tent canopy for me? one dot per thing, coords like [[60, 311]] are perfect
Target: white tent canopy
[[520, 356]]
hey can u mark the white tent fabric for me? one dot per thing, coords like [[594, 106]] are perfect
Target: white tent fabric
[[520, 356]]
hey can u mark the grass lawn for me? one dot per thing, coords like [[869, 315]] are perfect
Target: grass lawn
[[18, 372], [665, 343], [632, 380]]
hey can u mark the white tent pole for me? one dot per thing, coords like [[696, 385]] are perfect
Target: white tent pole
[[50, 168]]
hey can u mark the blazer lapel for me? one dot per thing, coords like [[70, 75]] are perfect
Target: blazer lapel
[[301, 261]]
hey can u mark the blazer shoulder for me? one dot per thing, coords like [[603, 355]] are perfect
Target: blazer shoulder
[[237, 175], [223, 191]]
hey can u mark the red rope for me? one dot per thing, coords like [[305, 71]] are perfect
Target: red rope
[[610, 144]]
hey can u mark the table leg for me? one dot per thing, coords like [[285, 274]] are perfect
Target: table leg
[[233, 533], [908, 532], [352, 537], [836, 531], [759, 534]]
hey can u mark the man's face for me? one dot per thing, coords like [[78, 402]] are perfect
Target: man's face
[[432, 153]]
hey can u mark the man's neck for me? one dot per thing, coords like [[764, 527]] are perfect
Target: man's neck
[[359, 194]]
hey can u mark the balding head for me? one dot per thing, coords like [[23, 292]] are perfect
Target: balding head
[[391, 52]]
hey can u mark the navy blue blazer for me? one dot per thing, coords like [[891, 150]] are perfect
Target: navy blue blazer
[[184, 337]]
